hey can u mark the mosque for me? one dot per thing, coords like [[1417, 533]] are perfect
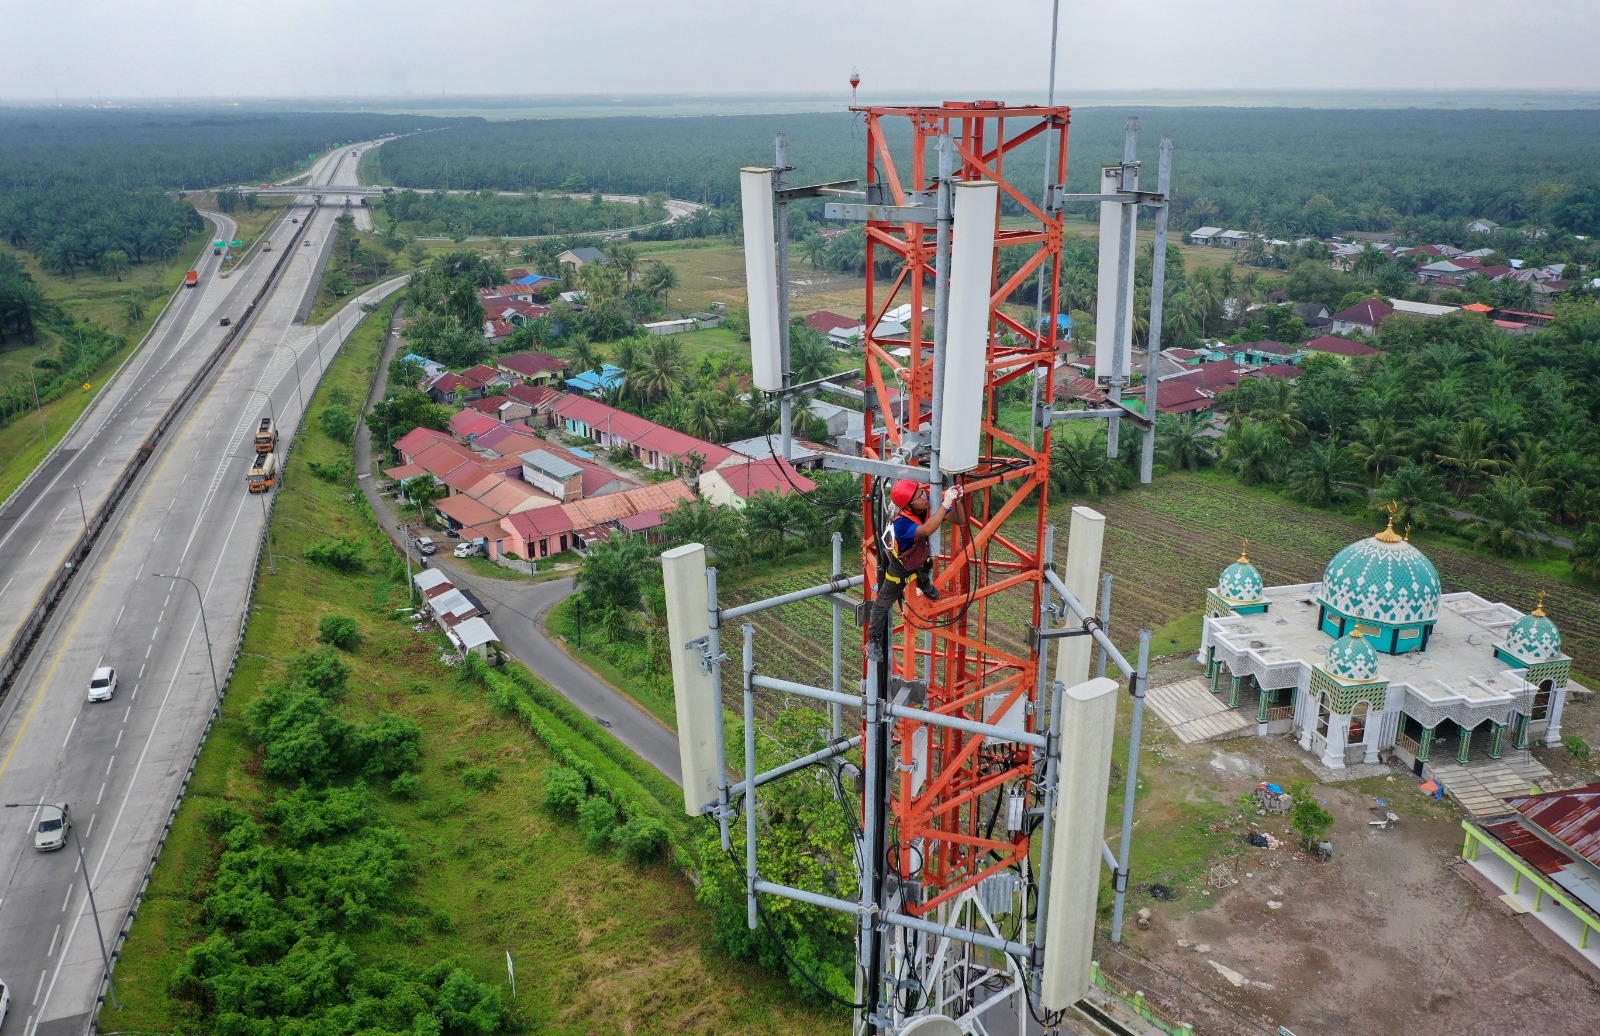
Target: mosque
[[1374, 660]]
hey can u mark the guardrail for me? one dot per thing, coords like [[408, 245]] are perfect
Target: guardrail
[[126, 927]]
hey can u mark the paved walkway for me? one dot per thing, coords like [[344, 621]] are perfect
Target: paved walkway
[[1482, 786], [516, 611], [1195, 714]]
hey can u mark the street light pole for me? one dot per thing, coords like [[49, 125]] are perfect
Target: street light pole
[[216, 687], [94, 912], [411, 588], [294, 358], [79, 487], [45, 432]]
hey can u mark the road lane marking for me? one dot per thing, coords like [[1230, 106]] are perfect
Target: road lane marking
[[141, 676], [90, 830], [60, 513], [109, 765], [64, 904], [3, 589], [147, 651], [70, 728], [119, 740], [102, 794], [119, 615], [51, 952]]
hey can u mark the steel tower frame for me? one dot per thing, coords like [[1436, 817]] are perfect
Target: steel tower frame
[[944, 797]]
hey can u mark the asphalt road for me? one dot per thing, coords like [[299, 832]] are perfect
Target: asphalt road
[[121, 763]]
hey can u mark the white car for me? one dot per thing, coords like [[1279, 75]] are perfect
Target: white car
[[466, 550], [54, 823], [425, 545], [103, 685], [5, 1001]]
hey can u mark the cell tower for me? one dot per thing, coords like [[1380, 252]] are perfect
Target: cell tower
[[984, 774]]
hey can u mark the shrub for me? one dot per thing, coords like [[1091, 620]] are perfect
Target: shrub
[[1577, 746], [404, 786], [340, 631], [337, 424], [388, 746], [1309, 817], [564, 790], [331, 471], [596, 818], [481, 778], [641, 839], [340, 554]]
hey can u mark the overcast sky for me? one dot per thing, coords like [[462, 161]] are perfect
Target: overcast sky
[[323, 48]]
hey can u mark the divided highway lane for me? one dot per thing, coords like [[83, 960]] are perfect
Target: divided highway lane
[[120, 763]]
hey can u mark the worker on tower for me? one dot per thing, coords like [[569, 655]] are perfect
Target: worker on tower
[[910, 557]]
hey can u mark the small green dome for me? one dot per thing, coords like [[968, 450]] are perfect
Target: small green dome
[[1534, 637], [1384, 579], [1240, 581], [1352, 659]]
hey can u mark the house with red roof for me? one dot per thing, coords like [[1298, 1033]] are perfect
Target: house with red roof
[[1338, 347], [827, 322], [1365, 317], [1277, 372], [468, 424], [414, 441], [539, 368], [487, 376], [502, 408], [539, 400], [1181, 396], [732, 485], [442, 388]]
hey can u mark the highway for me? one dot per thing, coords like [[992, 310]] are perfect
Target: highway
[[121, 763]]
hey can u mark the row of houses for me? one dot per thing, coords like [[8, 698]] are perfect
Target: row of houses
[[458, 613], [514, 491]]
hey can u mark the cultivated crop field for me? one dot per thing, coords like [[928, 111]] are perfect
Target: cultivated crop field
[[1165, 544]]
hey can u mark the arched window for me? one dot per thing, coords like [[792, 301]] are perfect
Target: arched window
[[1541, 699], [1358, 724], [1322, 716]]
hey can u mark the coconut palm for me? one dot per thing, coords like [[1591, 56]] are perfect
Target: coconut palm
[[810, 355], [1380, 445], [837, 502], [662, 370], [1585, 557], [1256, 451], [701, 521]]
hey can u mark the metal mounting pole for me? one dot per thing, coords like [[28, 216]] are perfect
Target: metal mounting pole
[[1120, 879], [751, 907], [874, 750], [1105, 622], [1158, 285], [1127, 228], [714, 650], [785, 404], [1044, 203], [33, 379], [836, 712]]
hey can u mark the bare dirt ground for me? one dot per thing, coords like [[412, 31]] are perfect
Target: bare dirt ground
[[1386, 938]]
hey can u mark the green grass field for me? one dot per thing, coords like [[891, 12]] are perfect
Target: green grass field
[[599, 945]]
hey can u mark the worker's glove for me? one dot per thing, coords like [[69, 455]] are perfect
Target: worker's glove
[[951, 495]]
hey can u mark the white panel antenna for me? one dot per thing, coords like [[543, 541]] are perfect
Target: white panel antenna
[[689, 619], [976, 212], [1088, 724], [761, 278], [1105, 311]]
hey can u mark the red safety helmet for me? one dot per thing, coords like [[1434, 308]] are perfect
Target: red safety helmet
[[903, 491]]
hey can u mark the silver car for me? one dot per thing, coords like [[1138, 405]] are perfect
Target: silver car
[[103, 685], [54, 823]]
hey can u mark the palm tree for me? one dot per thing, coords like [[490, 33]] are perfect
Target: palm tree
[[1507, 515], [1469, 454], [815, 249], [772, 520], [663, 370], [1381, 445], [1322, 472], [1413, 491], [115, 263], [1273, 404], [609, 576], [582, 350], [661, 279], [1585, 557], [1256, 451], [625, 260], [810, 355], [701, 521], [837, 501], [704, 417], [1182, 442]]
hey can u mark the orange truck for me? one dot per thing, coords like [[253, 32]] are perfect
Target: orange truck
[[191, 278]]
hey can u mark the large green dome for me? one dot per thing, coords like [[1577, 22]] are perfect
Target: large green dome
[[1534, 638], [1383, 579]]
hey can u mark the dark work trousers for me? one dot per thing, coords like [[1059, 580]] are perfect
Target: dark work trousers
[[892, 585]]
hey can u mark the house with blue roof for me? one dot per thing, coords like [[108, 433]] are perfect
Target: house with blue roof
[[590, 382]]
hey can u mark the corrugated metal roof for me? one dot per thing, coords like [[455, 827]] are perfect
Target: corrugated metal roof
[[550, 464], [1570, 817]]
